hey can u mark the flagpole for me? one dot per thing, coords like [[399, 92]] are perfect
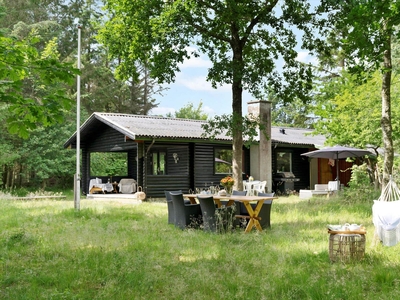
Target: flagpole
[[77, 198]]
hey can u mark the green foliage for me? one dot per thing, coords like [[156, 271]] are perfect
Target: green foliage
[[39, 160], [359, 177], [345, 103], [38, 45], [159, 32], [360, 186], [291, 114], [108, 164], [364, 32], [223, 161], [47, 100], [190, 112], [227, 124]]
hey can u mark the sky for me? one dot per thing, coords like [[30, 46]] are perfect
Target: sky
[[190, 86]]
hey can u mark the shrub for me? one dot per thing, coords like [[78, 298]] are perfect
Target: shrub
[[360, 186]]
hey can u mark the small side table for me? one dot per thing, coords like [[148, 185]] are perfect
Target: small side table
[[115, 186], [346, 246]]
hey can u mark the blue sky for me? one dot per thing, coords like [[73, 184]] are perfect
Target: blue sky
[[190, 86]]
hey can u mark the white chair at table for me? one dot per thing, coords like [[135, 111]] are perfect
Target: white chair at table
[[259, 187], [249, 187]]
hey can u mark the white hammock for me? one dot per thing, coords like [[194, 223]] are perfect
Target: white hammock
[[386, 215]]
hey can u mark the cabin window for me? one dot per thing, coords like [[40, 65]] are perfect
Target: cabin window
[[158, 163], [108, 164], [222, 161], [284, 161]]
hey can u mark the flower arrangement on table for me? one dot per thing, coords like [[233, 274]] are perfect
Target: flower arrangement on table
[[227, 182]]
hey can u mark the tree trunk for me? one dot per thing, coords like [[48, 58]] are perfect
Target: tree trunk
[[237, 140], [237, 118], [386, 121]]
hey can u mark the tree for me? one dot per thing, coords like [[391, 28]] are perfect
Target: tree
[[364, 31], [243, 40], [38, 160], [189, 112], [101, 89], [21, 63], [348, 113], [291, 114], [38, 42]]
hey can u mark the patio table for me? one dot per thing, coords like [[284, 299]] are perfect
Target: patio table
[[254, 219]]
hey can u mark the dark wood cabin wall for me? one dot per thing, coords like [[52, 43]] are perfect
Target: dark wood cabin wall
[[300, 166], [109, 140], [178, 174], [85, 170], [204, 175], [181, 167], [246, 162], [195, 168], [301, 169], [141, 178], [191, 165], [132, 164]]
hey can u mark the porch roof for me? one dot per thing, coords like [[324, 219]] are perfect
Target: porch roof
[[138, 127]]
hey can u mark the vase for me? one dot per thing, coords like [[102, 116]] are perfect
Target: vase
[[228, 189]]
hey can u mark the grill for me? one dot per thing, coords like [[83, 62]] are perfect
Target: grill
[[284, 182]]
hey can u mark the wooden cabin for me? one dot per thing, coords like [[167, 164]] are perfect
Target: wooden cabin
[[172, 154]]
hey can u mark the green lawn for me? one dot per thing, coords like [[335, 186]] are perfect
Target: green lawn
[[124, 251]]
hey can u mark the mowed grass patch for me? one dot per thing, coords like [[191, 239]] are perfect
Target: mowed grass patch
[[109, 250]]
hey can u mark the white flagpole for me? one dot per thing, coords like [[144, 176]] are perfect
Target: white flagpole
[[77, 199]]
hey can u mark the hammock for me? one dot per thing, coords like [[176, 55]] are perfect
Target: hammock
[[386, 214]]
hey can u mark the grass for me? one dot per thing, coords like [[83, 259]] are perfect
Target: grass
[[113, 251]]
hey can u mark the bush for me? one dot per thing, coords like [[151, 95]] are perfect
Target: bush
[[360, 187]]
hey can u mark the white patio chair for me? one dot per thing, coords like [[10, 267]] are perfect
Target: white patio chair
[[127, 186], [248, 186], [259, 187]]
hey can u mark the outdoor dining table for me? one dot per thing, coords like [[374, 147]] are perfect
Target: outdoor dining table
[[254, 219]]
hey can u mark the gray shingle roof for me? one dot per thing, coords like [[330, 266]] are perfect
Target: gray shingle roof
[[140, 127], [158, 127], [297, 136]]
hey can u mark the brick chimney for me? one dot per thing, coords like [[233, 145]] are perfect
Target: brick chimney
[[261, 154]]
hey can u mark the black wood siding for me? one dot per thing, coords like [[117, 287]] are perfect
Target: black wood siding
[[195, 168], [178, 174], [300, 167], [107, 139], [204, 162]]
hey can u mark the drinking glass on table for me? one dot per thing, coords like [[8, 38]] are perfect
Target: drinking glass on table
[[212, 190], [217, 189]]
